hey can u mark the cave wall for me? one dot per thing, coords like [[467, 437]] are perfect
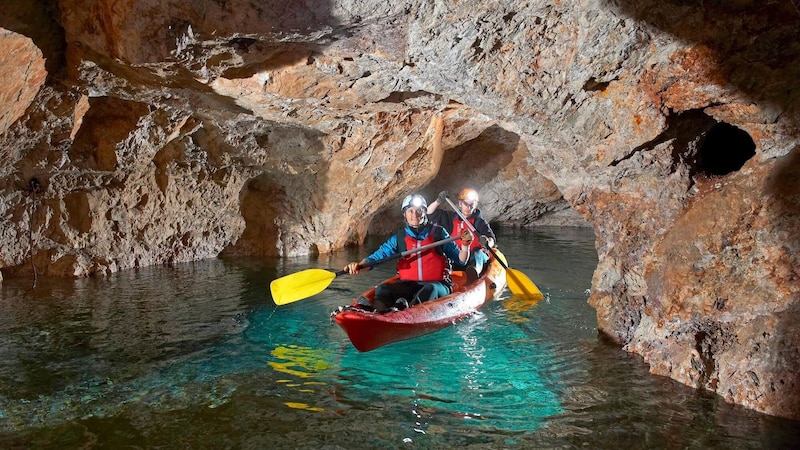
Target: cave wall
[[141, 132]]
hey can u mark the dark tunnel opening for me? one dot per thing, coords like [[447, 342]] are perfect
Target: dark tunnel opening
[[725, 149]]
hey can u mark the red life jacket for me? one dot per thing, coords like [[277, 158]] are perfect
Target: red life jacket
[[459, 225], [429, 265]]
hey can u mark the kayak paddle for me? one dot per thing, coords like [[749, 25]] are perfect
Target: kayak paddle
[[307, 283], [517, 281]]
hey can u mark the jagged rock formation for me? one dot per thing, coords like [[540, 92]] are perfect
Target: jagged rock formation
[[138, 132]]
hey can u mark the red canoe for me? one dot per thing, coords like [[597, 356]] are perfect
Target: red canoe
[[368, 330]]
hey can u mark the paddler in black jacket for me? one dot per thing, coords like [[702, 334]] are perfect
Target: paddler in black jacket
[[468, 203]]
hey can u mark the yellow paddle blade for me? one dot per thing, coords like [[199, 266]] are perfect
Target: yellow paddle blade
[[517, 281], [521, 284], [300, 285]]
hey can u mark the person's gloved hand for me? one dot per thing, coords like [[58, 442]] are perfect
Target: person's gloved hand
[[442, 198], [484, 241], [466, 236]]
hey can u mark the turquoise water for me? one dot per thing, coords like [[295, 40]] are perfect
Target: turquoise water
[[198, 356]]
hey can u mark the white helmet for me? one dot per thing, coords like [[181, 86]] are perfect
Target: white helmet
[[413, 200], [468, 195]]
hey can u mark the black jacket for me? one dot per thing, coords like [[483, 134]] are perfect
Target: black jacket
[[445, 219]]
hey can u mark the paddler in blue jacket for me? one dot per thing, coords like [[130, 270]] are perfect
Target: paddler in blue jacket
[[424, 275]]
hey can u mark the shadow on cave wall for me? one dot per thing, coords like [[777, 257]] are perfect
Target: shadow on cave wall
[[756, 46], [259, 204], [271, 35], [755, 43], [273, 198], [212, 39], [256, 35], [282, 34], [183, 31], [38, 21], [784, 186], [244, 37], [709, 148], [107, 122], [471, 164]]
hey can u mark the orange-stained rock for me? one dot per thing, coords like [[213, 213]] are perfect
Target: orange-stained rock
[[23, 73]]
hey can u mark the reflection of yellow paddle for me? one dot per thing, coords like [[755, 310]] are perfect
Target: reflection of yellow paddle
[[302, 362], [307, 283], [517, 304], [517, 281]]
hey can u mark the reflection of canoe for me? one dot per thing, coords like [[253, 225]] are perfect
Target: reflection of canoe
[[368, 331]]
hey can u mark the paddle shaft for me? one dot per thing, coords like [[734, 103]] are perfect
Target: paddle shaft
[[307, 283], [404, 254], [520, 283]]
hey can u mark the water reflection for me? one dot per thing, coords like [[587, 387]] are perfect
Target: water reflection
[[517, 305], [304, 363], [198, 356]]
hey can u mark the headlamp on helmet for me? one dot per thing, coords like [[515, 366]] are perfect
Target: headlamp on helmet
[[413, 201], [469, 196]]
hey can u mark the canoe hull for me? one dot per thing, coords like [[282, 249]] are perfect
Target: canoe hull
[[368, 331]]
